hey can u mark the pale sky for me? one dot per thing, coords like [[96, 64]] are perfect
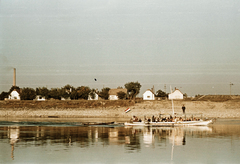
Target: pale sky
[[193, 45]]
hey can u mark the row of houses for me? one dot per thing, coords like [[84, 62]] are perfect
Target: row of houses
[[147, 95]]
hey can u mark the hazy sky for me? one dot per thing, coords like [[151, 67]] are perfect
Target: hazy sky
[[193, 45]]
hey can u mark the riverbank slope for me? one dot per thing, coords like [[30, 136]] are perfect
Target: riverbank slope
[[105, 109]]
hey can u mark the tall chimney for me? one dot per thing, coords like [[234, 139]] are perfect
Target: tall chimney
[[14, 76]]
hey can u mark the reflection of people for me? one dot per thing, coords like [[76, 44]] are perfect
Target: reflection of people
[[183, 109], [184, 140]]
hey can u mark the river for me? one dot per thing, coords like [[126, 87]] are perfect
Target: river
[[66, 141]]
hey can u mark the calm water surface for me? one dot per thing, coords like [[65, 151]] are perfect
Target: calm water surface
[[44, 141]]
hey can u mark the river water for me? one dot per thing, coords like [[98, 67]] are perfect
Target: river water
[[66, 141]]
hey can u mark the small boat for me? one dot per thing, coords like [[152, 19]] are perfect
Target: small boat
[[97, 123], [103, 124]]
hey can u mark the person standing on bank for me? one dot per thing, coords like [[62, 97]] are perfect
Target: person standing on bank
[[183, 109]]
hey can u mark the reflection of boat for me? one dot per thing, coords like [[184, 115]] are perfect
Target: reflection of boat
[[198, 128]]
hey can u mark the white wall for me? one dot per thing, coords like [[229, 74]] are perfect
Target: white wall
[[14, 95], [113, 97], [40, 98], [90, 98], [148, 95], [175, 95]]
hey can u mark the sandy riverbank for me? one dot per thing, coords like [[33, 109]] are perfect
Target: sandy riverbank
[[227, 109]]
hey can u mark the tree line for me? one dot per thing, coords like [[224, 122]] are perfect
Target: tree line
[[75, 93]]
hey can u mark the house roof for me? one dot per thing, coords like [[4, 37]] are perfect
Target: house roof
[[16, 90], [115, 91], [148, 90], [177, 90]]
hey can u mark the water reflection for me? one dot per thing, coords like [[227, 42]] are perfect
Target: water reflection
[[132, 139], [13, 135]]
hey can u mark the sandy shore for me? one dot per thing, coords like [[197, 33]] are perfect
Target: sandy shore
[[228, 109]]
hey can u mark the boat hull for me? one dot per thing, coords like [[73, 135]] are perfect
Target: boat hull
[[161, 124], [170, 124], [194, 123]]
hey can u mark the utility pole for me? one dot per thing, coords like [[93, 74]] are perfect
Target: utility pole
[[165, 88], [230, 87]]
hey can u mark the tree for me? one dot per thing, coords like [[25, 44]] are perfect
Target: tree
[[104, 93], [121, 95], [3, 95], [83, 92], [43, 92], [74, 94], [185, 95], [63, 93], [55, 93], [161, 94], [68, 88], [133, 88], [14, 88], [28, 94], [66, 91]]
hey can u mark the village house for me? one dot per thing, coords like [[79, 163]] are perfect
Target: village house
[[95, 97], [148, 95], [177, 94], [113, 93], [68, 98], [40, 98], [14, 95]]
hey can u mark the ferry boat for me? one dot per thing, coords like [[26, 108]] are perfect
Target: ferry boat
[[170, 124]]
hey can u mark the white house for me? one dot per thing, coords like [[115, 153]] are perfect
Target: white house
[[68, 98], [113, 93], [40, 98], [95, 97], [177, 94], [14, 95], [148, 95]]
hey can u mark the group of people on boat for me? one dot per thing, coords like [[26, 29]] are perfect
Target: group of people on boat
[[163, 119], [135, 119]]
